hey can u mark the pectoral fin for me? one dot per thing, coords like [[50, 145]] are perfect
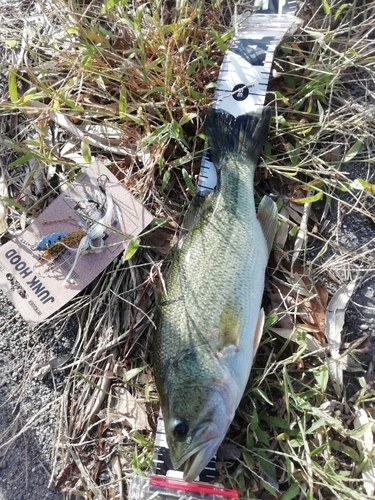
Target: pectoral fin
[[267, 216], [258, 332], [230, 327]]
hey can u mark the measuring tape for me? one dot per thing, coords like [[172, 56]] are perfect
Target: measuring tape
[[241, 88], [245, 71]]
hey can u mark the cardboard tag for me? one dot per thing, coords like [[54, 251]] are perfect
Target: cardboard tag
[[33, 280]]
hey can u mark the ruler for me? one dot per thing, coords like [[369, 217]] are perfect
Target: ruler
[[245, 71]]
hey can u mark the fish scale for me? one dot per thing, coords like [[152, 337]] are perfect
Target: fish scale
[[201, 261], [208, 322]]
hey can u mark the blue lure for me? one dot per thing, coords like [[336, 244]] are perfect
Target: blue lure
[[49, 240]]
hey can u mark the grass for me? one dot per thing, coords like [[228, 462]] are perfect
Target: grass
[[131, 83]]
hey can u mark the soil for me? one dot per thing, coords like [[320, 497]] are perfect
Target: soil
[[29, 399]]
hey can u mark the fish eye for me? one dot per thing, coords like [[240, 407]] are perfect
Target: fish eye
[[179, 428]]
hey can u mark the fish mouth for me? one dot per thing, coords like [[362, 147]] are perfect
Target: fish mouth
[[196, 459]]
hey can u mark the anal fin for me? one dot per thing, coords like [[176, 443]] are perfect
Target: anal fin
[[258, 332], [267, 216]]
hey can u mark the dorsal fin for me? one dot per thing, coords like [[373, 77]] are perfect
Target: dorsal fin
[[198, 208]]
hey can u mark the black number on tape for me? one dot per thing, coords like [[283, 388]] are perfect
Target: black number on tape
[[240, 92]]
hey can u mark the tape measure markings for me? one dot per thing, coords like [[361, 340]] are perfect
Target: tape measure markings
[[245, 71], [161, 462]]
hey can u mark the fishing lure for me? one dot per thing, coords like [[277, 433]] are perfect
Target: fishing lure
[[96, 232], [53, 250], [49, 240], [96, 215]]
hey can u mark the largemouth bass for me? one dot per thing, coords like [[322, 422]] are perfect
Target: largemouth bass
[[209, 320]]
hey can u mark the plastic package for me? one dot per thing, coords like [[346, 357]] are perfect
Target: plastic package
[[164, 488]]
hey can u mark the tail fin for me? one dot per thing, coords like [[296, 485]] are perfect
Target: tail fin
[[243, 135]]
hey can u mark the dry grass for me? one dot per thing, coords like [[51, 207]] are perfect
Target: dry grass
[[130, 84]]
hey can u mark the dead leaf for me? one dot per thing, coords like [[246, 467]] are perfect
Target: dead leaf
[[323, 294], [293, 214], [52, 364], [312, 345], [64, 479], [104, 143], [365, 446], [302, 232], [124, 407], [295, 190], [335, 319], [358, 346], [283, 230], [299, 303], [162, 239], [349, 364]]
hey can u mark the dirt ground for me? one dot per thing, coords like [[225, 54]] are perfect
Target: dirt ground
[[27, 462]]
